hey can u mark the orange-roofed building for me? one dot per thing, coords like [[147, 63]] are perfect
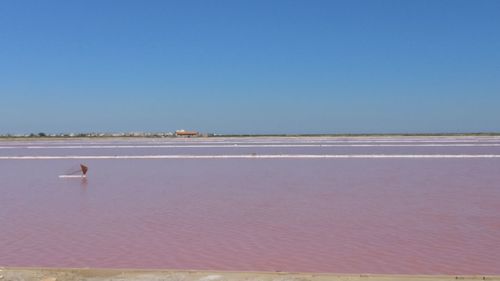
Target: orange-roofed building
[[183, 133]]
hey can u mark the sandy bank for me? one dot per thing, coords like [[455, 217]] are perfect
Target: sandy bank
[[58, 274]]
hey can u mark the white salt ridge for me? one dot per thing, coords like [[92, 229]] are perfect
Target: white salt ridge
[[249, 156], [255, 145]]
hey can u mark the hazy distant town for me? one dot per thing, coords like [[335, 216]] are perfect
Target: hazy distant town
[[195, 134], [178, 133]]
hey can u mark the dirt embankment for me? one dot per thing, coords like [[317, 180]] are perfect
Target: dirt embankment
[[52, 274]]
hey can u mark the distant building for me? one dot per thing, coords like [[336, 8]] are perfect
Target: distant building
[[188, 134]]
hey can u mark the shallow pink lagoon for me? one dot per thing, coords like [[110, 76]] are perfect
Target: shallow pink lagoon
[[415, 216]]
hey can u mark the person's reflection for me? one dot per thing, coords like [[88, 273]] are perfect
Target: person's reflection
[[84, 183]]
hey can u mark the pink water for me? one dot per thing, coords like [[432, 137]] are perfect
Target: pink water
[[415, 216]]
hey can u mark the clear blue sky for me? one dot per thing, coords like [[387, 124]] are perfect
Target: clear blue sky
[[250, 66]]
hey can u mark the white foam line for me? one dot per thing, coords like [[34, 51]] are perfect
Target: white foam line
[[250, 146], [264, 144], [246, 156], [72, 176]]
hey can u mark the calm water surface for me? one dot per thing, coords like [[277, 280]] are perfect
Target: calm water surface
[[425, 216]]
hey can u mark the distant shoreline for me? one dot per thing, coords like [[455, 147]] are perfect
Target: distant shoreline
[[365, 135], [79, 136]]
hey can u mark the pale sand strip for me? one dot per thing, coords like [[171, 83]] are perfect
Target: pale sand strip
[[258, 156], [73, 274]]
